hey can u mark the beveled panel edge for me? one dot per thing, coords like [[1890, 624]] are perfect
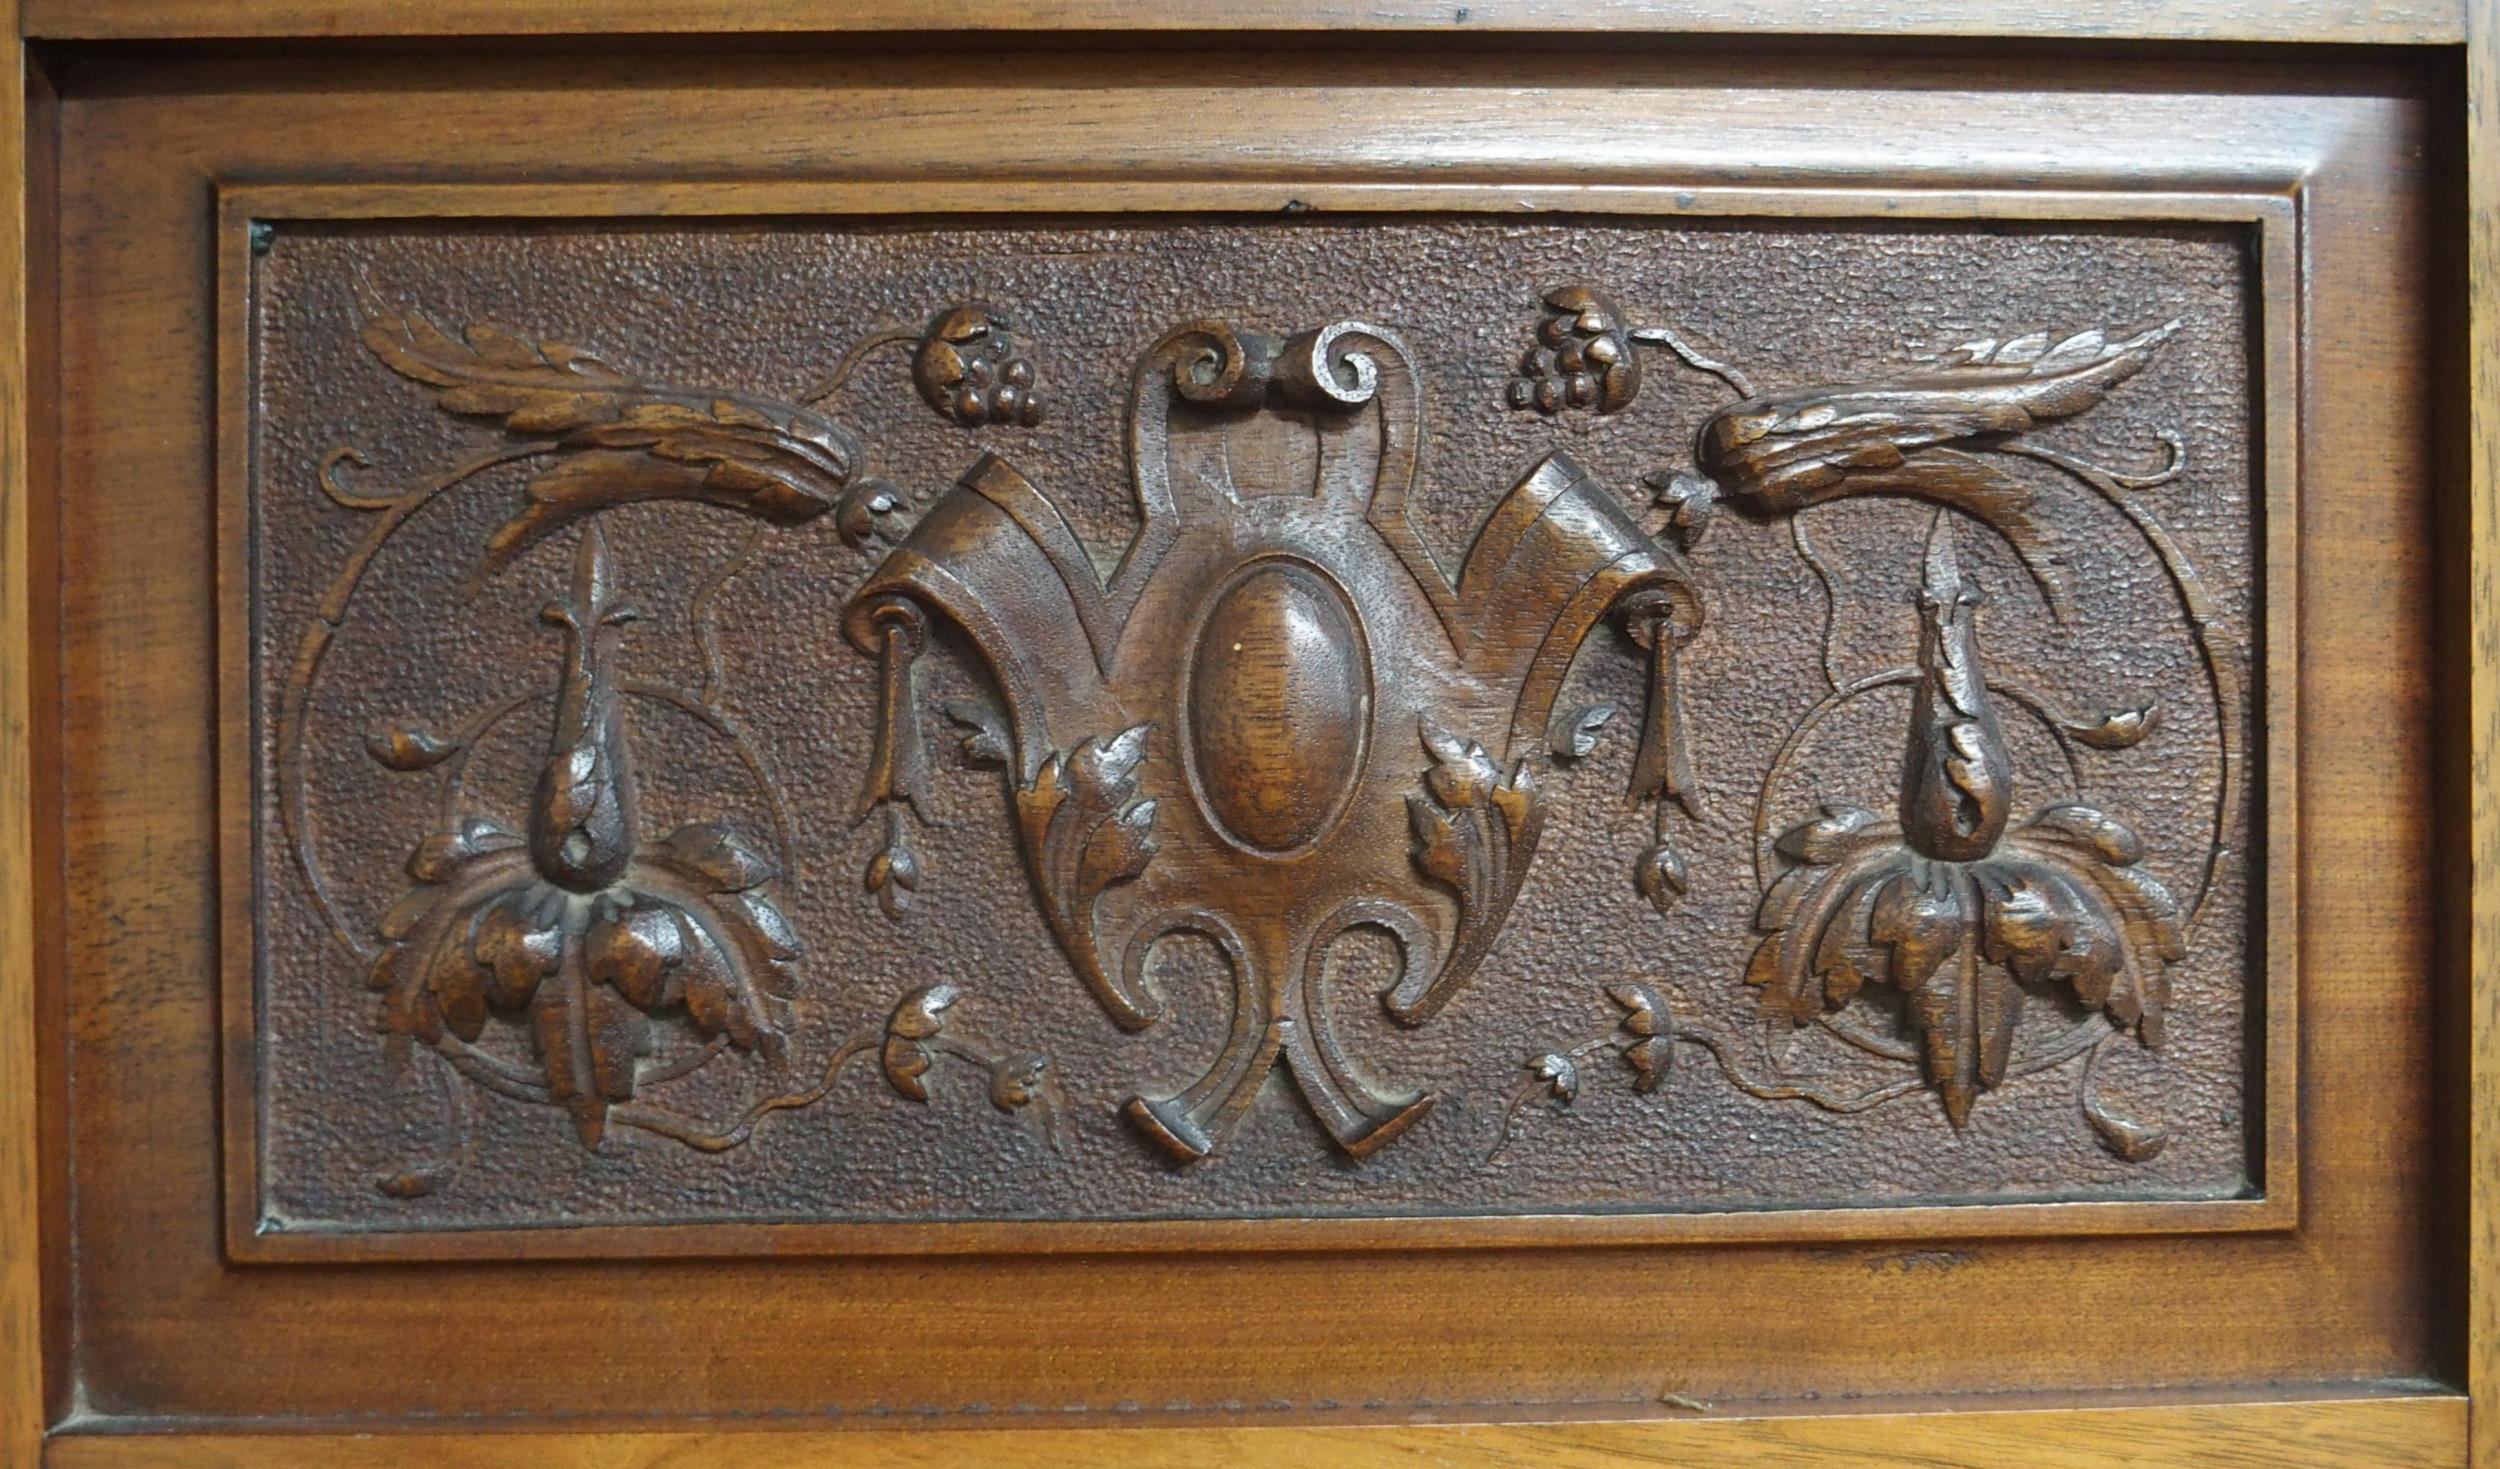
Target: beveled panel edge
[[2273, 210]]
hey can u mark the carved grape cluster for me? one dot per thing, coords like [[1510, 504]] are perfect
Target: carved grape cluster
[[968, 369], [1584, 356]]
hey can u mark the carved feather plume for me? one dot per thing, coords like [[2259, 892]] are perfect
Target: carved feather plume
[[1912, 434], [616, 440]]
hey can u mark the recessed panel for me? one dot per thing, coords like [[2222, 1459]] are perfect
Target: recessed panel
[[1194, 719]]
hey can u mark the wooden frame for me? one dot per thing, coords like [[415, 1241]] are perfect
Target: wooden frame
[[2430, 1426]]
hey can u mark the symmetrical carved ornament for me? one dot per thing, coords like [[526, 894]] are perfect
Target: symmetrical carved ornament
[[1287, 667], [1279, 718]]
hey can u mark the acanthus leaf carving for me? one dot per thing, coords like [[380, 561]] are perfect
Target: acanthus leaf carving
[[1476, 828], [1922, 433], [1084, 829], [614, 440]]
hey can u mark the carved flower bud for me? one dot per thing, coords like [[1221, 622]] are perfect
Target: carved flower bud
[[894, 873], [921, 1013], [1661, 875], [1016, 1080], [1561, 1077], [1652, 1053], [1462, 773], [1652, 1060], [1689, 500], [867, 498], [918, 1017]]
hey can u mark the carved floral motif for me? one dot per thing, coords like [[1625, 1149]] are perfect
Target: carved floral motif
[[1643, 1037], [1949, 906], [1212, 740], [580, 929], [625, 960]]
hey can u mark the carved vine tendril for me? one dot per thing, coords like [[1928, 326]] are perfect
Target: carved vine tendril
[[593, 938], [1948, 904]]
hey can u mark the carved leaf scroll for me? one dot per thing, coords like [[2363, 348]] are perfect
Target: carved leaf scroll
[[1085, 829]]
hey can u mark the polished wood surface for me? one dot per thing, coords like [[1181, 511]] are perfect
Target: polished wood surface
[[2482, 256], [2392, 22], [2335, 1300], [23, 1343], [2357, 1293], [2275, 326], [2357, 1433]]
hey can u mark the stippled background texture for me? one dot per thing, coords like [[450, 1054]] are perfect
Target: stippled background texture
[[768, 308]]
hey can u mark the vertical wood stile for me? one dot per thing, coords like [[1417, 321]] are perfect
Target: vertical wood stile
[[21, 1315], [2483, 265]]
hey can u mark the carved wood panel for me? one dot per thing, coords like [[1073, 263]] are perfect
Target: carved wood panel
[[1211, 719]]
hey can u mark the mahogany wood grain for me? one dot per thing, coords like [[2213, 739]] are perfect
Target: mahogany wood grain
[[2482, 139], [2393, 22], [2361, 1433], [22, 1315], [2349, 1294]]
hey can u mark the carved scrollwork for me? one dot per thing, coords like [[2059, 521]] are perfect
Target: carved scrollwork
[[1280, 722], [1255, 816]]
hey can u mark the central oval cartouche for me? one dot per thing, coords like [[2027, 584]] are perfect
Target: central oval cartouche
[[1279, 707]]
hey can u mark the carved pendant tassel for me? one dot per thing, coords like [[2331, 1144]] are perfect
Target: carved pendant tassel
[[898, 768], [1663, 766]]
